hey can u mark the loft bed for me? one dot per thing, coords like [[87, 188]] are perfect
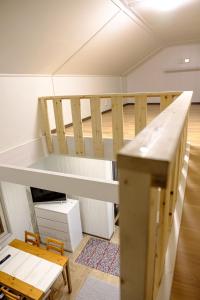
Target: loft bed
[[152, 168]]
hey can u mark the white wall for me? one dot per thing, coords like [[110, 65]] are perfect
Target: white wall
[[151, 75], [17, 208]]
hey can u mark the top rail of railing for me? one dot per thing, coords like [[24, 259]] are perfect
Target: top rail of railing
[[154, 147]]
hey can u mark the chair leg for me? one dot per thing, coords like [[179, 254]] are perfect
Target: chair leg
[[64, 277], [68, 278]]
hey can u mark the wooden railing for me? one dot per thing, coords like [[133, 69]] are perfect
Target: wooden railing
[[149, 171], [116, 100]]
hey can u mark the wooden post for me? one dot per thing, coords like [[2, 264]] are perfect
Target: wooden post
[[152, 239], [134, 192], [165, 101], [60, 128], [77, 126], [140, 113], [96, 119], [117, 124], [45, 124]]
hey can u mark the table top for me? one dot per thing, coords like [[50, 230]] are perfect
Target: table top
[[30, 270]]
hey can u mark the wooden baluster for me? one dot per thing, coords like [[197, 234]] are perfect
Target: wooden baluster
[[117, 124], [165, 100], [77, 126], [140, 113], [152, 239], [96, 119], [135, 189], [60, 128], [163, 235], [45, 124]]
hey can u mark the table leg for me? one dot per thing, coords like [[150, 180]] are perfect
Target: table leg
[[68, 277]]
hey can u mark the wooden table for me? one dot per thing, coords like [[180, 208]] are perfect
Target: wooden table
[[31, 271]]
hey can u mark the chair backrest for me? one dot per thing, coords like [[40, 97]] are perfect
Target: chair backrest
[[55, 245], [32, 238], [9, 295]]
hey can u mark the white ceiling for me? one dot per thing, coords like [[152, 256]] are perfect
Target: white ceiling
[[91, 37]]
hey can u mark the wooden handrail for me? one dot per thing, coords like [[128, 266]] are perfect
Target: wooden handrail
[[155, 146], [124, 95], [150, 169]]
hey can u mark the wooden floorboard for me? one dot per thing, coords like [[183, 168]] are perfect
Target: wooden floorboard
[[186, 283]]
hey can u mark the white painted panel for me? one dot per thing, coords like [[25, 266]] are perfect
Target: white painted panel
[[38, 36], [113, 50], [17, 208]]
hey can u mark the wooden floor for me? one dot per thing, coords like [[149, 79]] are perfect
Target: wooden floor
[[129, 122], [186, 284]]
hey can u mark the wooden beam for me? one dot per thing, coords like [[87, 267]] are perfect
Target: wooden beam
[[96, 119], [82, 186], [45, 123], [117, 124], [134, 190], [140, 113], [60, 128], [165, 101], [77, 126]]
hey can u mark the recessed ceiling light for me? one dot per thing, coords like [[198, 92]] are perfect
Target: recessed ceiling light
[[187, 60], [162, 5]]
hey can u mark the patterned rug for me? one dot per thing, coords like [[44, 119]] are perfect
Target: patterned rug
[[101, 255]]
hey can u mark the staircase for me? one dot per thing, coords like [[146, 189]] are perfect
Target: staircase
[[186, 282]]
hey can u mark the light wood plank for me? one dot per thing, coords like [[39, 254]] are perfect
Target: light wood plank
[[60, 128], [96, 120], [117, 124], [134, 192], [152, 239], [45, 124], [140, 113], [77, 126], [27, 290], [124, 95], [165, 101]]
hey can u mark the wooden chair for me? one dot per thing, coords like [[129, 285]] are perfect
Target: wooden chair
[[9, 295], [58, 246], [32, 238]]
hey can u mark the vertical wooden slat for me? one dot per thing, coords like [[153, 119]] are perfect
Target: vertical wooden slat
[[60, 128], [165, 101], [96, 118], [154, 198], [45, 124], [135, 189], [117, 123], [163, 234], [77, 126], [140, 113]]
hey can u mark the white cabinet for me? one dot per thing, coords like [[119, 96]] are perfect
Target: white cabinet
[[60, 221]]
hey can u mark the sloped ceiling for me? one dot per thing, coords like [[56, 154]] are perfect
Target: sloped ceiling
[[90, 37]]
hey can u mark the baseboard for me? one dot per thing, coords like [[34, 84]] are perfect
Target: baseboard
[[164, 292]]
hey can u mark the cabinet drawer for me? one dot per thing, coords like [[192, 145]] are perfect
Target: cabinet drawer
[[52, 224], [60, 235], [50, 215]]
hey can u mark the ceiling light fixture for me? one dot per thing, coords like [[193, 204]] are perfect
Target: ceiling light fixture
[[162, 5]]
